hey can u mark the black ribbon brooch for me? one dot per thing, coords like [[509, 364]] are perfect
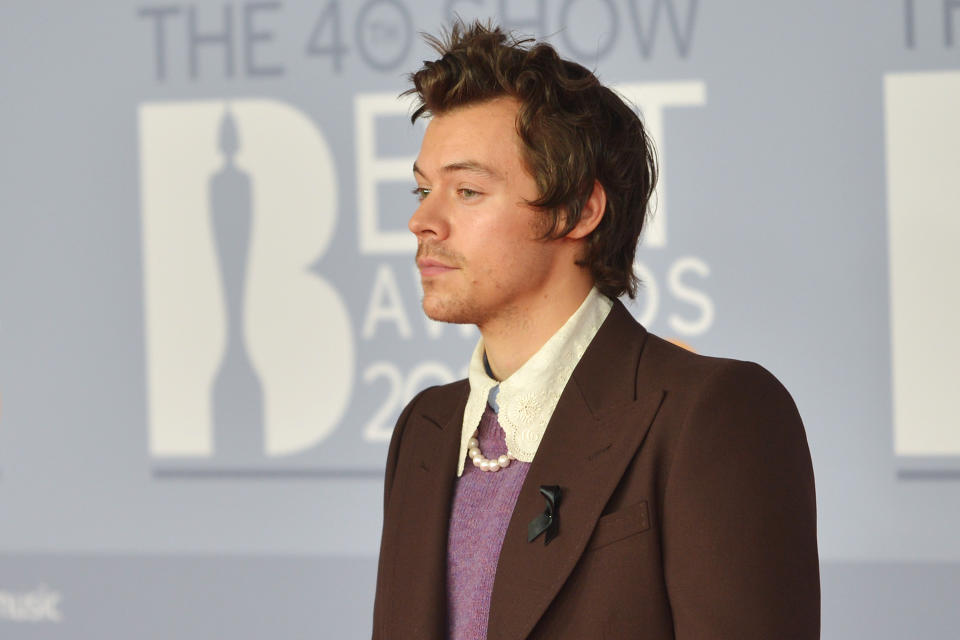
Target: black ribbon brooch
[[548, 521]]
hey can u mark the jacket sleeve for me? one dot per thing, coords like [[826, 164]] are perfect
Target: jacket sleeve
[[393, 453], [739, 515]]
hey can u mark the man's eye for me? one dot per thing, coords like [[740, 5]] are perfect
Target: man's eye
[[468, 193], [421, 193]]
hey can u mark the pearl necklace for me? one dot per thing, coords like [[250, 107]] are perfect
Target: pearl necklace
[[482, 463]]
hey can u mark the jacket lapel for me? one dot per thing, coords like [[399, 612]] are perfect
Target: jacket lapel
[[418, 583], [596, 429]]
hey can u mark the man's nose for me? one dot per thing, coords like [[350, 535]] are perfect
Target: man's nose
[[428, 222]]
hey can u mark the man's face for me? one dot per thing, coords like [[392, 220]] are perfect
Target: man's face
[[479, 250]]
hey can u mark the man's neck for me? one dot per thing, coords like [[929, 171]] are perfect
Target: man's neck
[[512, 339]]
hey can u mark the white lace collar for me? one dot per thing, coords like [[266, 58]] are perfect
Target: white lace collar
[[527, 398]]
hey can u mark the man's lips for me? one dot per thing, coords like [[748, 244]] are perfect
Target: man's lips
[[429, 267]]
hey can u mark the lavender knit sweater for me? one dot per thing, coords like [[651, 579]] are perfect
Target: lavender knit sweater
[[482, 506]]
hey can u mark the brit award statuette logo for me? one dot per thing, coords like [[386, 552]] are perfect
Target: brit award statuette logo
[[249, 350]]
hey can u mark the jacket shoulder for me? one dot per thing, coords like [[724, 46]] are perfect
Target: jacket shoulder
[[677, 368], [440, 400]]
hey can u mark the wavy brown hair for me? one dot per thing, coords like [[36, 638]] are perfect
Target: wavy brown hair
[[574, 130]]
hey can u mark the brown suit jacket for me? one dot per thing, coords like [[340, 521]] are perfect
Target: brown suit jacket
[[688, 506]]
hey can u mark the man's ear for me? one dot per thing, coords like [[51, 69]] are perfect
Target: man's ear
[[592, 213]]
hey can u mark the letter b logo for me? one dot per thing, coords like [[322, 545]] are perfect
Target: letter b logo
[[249, 351]]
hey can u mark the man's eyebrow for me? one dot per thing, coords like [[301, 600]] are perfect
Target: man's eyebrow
[[465, 165]]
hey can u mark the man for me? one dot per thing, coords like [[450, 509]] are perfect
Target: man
[[589, 479]]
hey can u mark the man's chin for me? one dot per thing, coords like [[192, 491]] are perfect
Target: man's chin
[[444, 311]]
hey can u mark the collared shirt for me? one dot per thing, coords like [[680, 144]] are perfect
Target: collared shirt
[[526, 400]]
